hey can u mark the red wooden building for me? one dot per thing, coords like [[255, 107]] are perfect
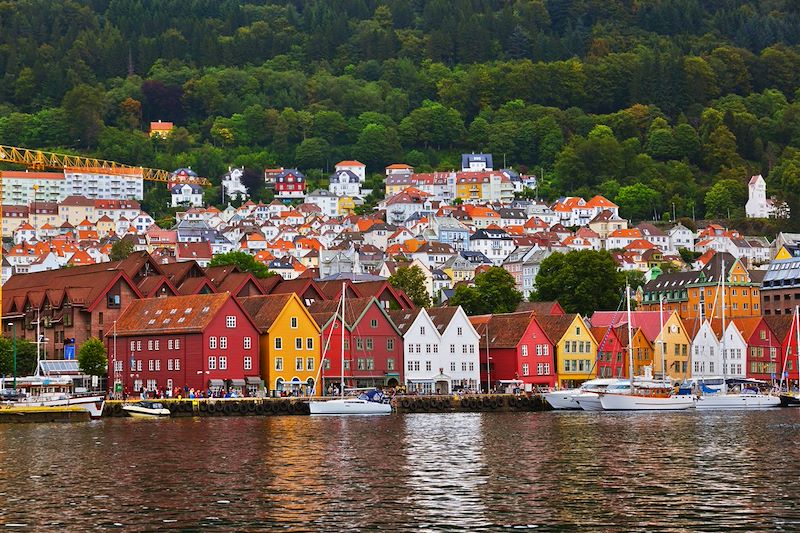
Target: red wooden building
[[201, 341], [763, 347], [372, 344], [517, 349], [783, 326], [612, 360]]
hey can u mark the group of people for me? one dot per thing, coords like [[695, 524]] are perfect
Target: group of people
[[180, 393]]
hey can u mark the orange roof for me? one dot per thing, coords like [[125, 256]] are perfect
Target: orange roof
[[32, 175], [601, 201], [632, 233], [412, 245], [399, 165], [161, 126], [640, 244], [350, 164]]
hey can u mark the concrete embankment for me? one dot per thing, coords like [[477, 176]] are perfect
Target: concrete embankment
[[27, 415], [299, 406]]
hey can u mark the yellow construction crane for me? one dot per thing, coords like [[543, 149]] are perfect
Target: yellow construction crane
[[40, 160]]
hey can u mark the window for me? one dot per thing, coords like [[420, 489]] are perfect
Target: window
[[370, 363], [326, 364], [416, 365], [177, 364], [524, 369], [577, 330], [427, 348], [459, 331], [298, 343], [169, 364], [212, 343], [546, 369], [524, 350], [422, 330], [309, 343], [223, 343], [247, 343], [452, 367], [361, 364], [463, 367], [279, 363], [390, 364], [212, 362], [309, 363], [410, 366], [177, 344], [428, 366], [248, 363], [464, 348], [359, 343], [278, 343], [293, 321], [133, 346], [369, 343], [170, 344], [452, 348], [158, 365], [566, 365], [230, 322], [156, 345], [298, 363], [149, 346], [472, 367], [389, 345], [150, 365], [223, 362], [373, 323]]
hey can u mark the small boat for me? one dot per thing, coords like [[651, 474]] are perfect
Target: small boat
[[743, 400], [790, 400], [146, 409], [369, 403], [51, 391]]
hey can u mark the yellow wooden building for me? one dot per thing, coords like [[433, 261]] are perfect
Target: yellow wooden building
[[575, 348], [288, 342]]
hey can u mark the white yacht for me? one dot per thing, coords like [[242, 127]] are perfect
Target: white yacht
[[146, 409], [53, 391], [565, 399]]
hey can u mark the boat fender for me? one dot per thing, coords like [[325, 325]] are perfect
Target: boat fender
[[203, 406], [283, 406], [274, 407], [292, 408], [211, 408], [251, 406], [226, 408], [187, 406], [235, 407], [261, 408], [405, 403], [487, 402]]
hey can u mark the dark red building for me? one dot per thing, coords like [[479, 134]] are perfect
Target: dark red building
[[373, 347], [763, 347], [200, 341], [784, 328], [612, 361], [290, 183], [517, 349]]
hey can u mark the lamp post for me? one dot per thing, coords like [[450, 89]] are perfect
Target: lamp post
[[14, 344]]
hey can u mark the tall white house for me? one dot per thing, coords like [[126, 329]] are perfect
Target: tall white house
[[18, 187], [758, 205], [356, 167]]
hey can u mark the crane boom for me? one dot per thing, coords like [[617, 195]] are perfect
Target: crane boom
[[40, 160]]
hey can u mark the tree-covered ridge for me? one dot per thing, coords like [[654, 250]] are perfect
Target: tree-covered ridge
[[654, 100]]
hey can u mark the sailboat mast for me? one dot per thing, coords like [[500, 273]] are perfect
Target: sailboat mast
[[630, 335], [797, 346], [661, 333], [344, 286], [724, 357], [38, 340]]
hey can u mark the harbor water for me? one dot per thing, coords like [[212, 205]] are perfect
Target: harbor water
[[686, 471]]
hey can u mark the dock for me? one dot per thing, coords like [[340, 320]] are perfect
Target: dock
[[28, 415]]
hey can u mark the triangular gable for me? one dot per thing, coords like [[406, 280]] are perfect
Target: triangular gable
[[121, 276]]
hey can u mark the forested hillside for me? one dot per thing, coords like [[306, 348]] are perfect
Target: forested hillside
[[649, 102]]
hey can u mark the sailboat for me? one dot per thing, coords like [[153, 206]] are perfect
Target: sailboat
[[747, 398], [789, 399], [368, 403], [637, 398]]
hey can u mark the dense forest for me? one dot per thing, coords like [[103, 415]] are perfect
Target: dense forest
[[653, 103]]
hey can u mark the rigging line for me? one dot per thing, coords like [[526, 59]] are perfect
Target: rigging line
[[605, 337], [325, 351]]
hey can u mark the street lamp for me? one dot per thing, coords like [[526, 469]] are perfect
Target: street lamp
[[14, 343]]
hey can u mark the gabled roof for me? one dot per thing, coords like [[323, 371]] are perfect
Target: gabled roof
[[504, 331], [541, 308], [555, 326], [179, 314], [648, 321], [403, 318], [442, 316], [325, 311], [264, 310]]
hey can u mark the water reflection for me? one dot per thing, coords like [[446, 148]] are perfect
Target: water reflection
[[426, 472]]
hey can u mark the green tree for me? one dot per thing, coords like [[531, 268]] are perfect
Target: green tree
[[26, 357], [84, 106], [245, 262], [312, 153], [377, 146], [92, 358], [412, 281], [583, 281], [637, 201], [494, 292], [726, 199], [121, 249]]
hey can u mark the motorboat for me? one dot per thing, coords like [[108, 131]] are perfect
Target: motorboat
[[565, 399], [647, 400], [742, 400], [372, 402], [146, 409], [790, 400]]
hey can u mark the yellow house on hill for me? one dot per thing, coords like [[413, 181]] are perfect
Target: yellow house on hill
[[288, 342]]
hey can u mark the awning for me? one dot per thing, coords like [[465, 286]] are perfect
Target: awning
[[420, 380], [253, 380], [510, 381], [238, 383], [216, 383], [441, 377]]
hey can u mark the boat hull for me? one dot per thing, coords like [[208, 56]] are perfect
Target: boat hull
[[789, 400], [737, 401], [348, 406], [562, 400], [628, 402], [589, 402], [92, 404]]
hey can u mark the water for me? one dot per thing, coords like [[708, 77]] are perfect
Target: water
[[685, 471]]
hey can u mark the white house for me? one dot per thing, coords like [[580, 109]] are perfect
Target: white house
[[492, 242], [325, 200], [232, 184], [460, 344], [187, 194], [344, 183], [356, 167], [680, 237], [758, 205], [708, 360]]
